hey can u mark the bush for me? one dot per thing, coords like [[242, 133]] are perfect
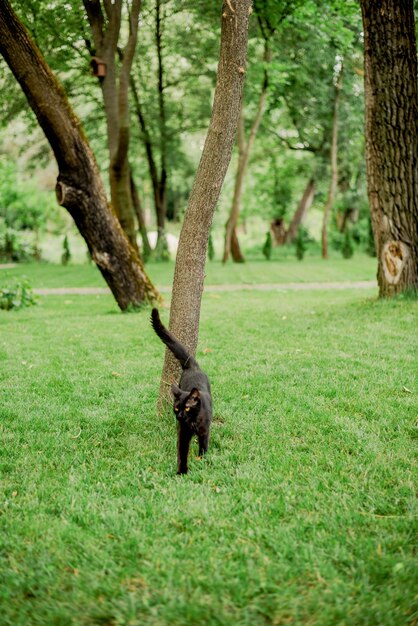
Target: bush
[[211, 249], [370, 246], [301, 240], [17, 296], [66, 253], [347, 248], [15, 247], [268, 246], [23, 206]]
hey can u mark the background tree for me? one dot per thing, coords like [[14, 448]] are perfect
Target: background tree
[[105, 19], [270, 14], [303, 101], [334, 161], [390, 61], [79, 187], [216, 155], [171, 84]]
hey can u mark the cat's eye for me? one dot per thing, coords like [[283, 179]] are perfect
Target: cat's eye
[[176, 409], [187, 408]]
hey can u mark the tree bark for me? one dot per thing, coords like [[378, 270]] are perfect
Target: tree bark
[[391, 124], [79, 187], [231, 246], [216, 155], [301, 211], [115, 98], [334, 165]]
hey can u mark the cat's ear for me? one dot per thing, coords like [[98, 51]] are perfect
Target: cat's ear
[[194, 397], [176, 391]]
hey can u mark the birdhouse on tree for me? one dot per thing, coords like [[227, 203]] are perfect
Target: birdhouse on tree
[[98, 67]]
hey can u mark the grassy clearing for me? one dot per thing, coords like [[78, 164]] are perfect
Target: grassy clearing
[[304, 511], [312, 269]]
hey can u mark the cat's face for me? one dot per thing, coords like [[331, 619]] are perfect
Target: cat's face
[[186, 404]]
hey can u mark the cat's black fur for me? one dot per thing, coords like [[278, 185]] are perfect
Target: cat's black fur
[[192, 398]]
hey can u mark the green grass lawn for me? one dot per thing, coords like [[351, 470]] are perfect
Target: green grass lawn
[[304, 511], [312, 269]]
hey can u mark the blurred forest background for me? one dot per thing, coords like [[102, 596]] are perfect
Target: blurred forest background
[[297, 181]]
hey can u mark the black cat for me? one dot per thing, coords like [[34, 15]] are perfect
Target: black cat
[[192, 399]]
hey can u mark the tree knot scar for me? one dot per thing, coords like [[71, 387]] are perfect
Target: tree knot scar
[[102, 259], [394, 257], [230, 6], [241, 70], [60, 192]]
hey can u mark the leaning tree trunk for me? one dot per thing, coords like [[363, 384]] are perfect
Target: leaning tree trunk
[[334, 166], [79, 186], [301, 211], [391, 140], [216, 155]]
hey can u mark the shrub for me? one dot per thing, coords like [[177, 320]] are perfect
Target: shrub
[[66, 254], [347, 248], [268, 246], [211, 249], [370, 246], [15, 247], [17, 296], [300, 242]]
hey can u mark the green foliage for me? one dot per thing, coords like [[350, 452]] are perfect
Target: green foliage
[[347, 247], [307, 40], [301, 241], [22, 205], [370, 246], [211, 248], [66, 254], [303, 511], [14, 246], [17, 296], [268, 246]]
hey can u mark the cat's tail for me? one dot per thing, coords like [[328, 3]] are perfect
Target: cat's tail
[[180, 352]]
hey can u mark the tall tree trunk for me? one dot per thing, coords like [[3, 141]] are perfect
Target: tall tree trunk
[[244, 148], [334, 165], [301, 211], [391, 140], [216, 155], [115, 87], [79, 187]]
